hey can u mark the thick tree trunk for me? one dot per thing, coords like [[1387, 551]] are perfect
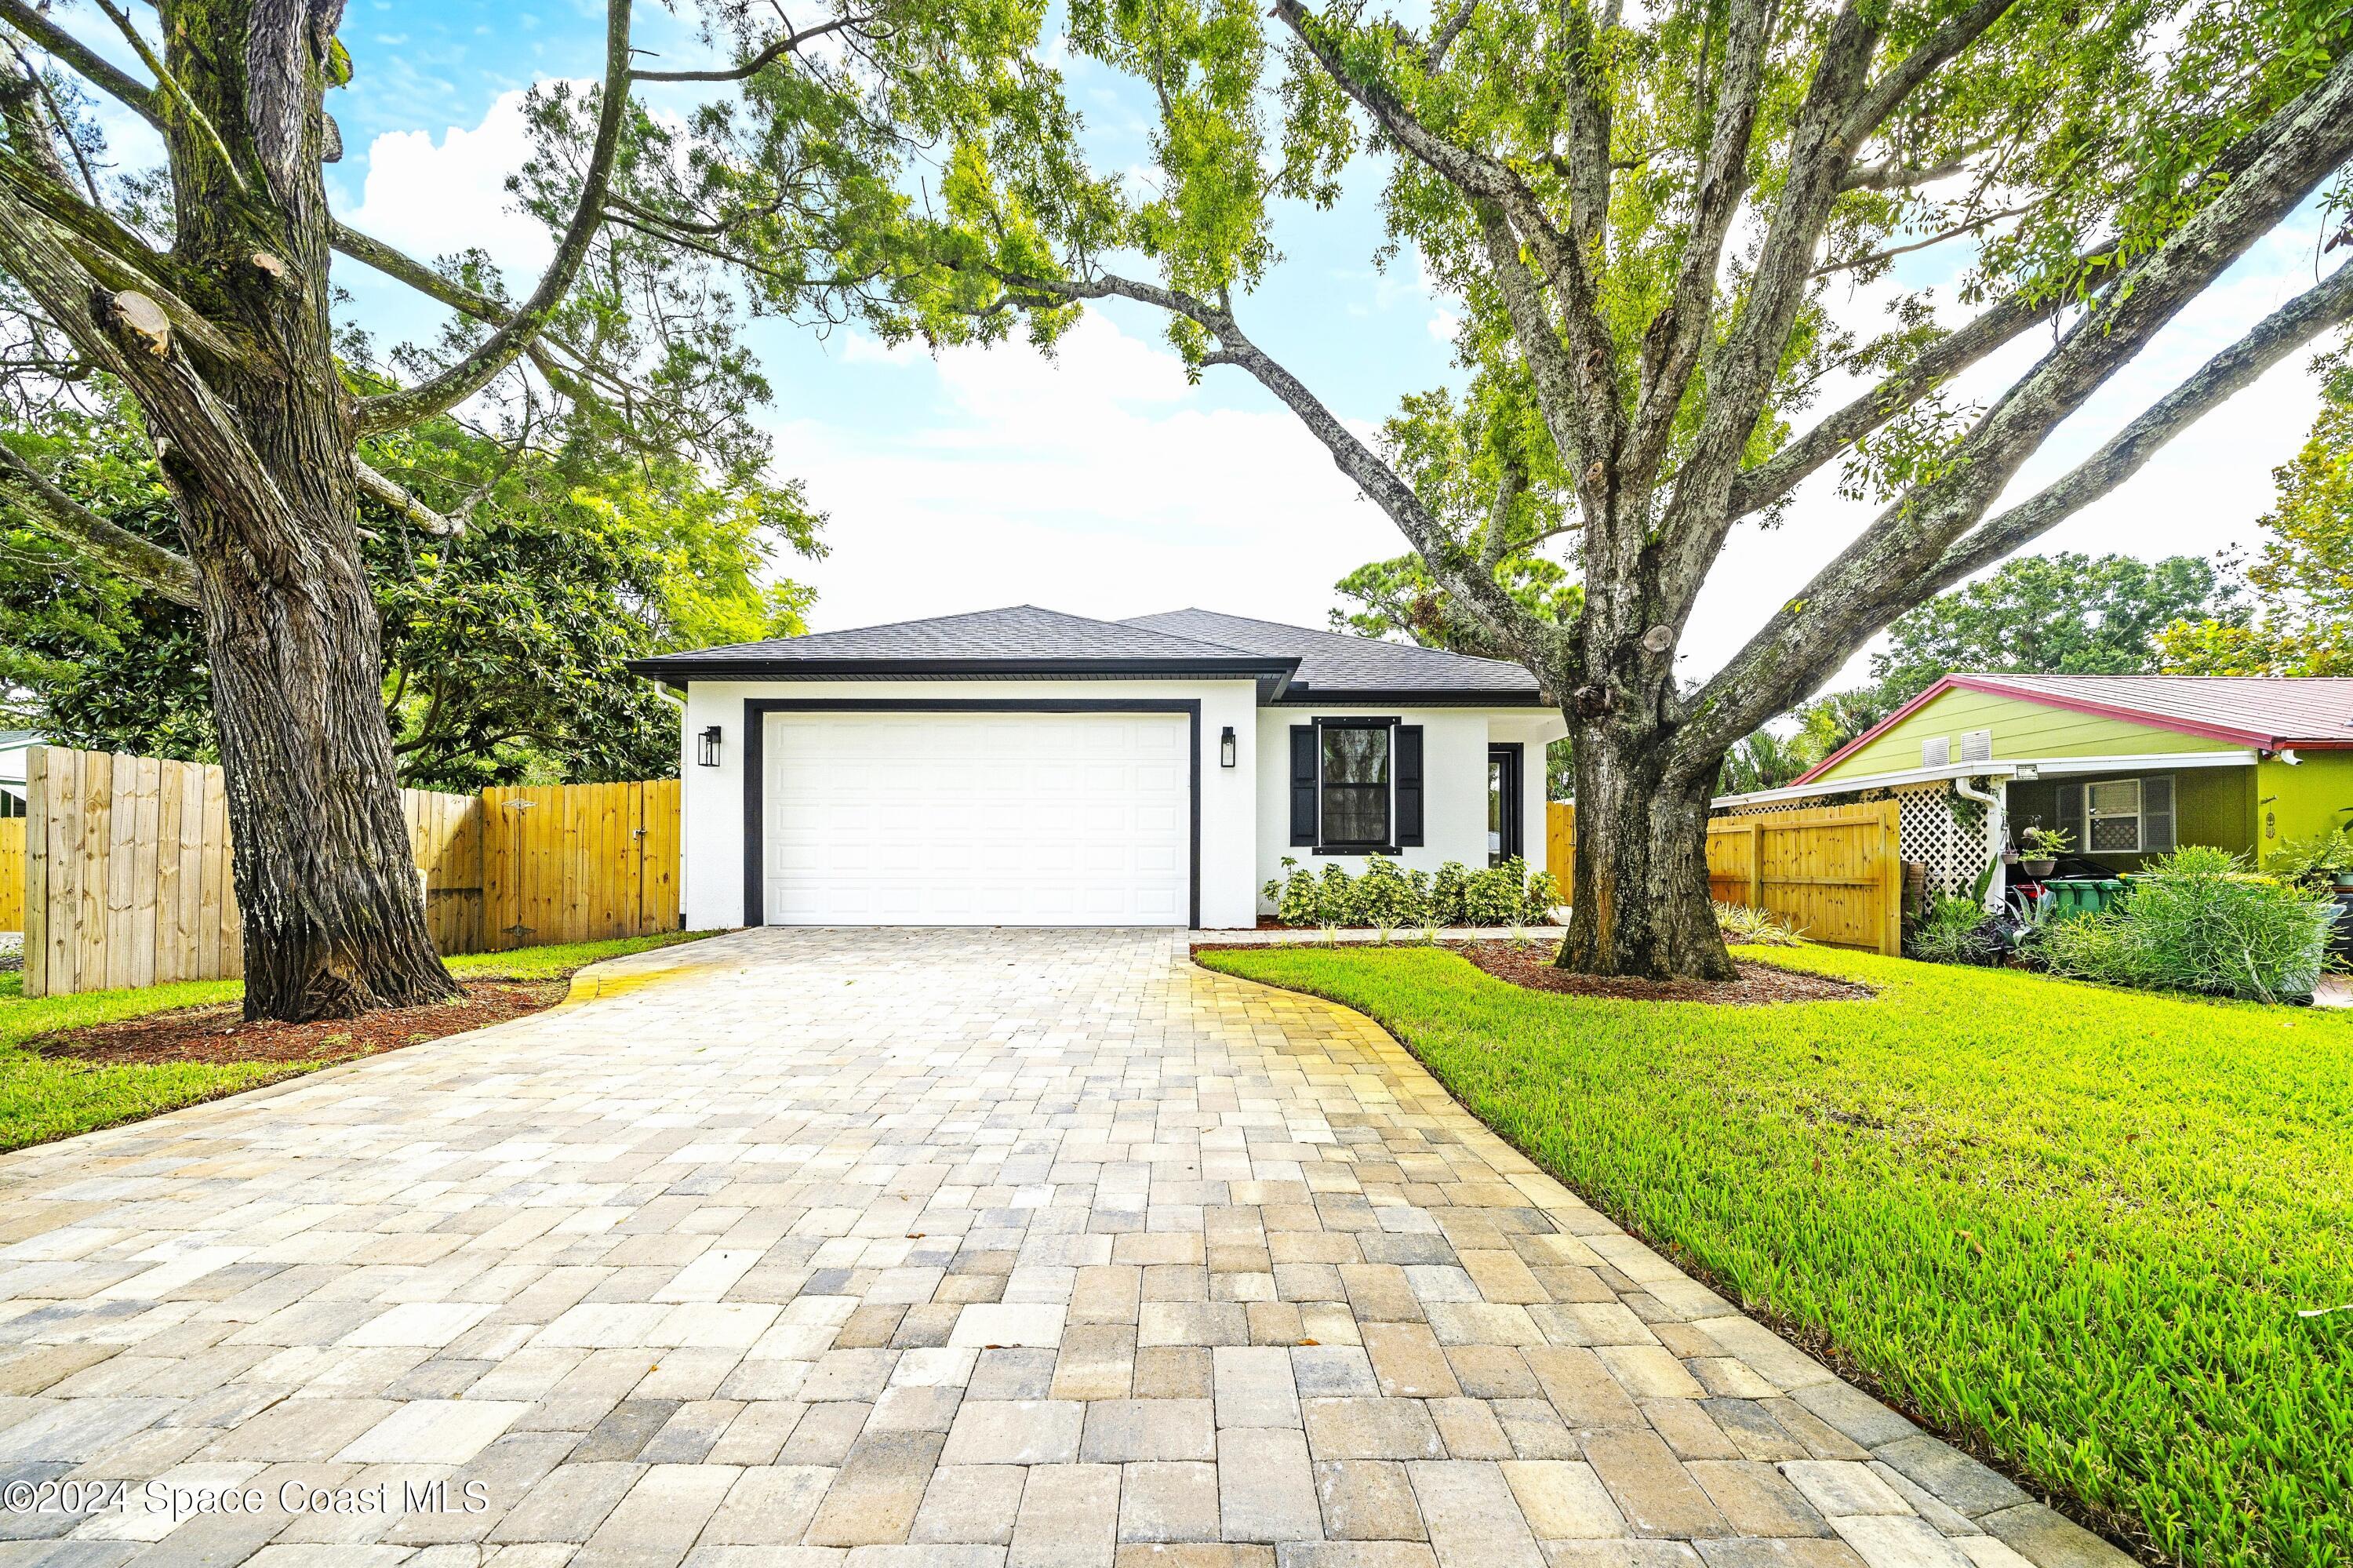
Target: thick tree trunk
[[326, 881], [258, 450], [1640, 903]]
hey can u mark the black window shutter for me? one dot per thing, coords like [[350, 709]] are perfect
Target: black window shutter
[[1408, 785], [1302, 784]]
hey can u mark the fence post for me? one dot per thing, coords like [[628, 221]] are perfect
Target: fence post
[[1891, 878], [36, 872]]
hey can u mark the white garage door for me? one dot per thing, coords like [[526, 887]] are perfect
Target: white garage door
[[962, 818]]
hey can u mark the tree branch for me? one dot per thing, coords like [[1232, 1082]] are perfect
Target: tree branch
[[2325, 305], [1592, 351], [1672, 344], [397, 496], [1891, 176], [1497, 538], [477, 370], [1444, 39], [105, 543], [170, 85], [1891, 252], [1694, 523], [1905, 77], [112, 253], [1558, 395], [1896, 562], [1769, 480], [788, 44], [405, 268], [1448, 562], [85, 62]]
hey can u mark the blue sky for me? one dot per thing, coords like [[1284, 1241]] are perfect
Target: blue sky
[[1101, 483]]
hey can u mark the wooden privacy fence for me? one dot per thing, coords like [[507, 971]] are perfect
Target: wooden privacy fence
[[126, 871], [12, 874], [1833, 871], [579, 863]]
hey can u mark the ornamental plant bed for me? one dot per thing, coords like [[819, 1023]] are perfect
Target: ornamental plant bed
[[1759, 985], [219, 1034]]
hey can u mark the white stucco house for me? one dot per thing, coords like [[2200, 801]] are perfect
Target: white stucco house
[[1025, 767], [15, 744]]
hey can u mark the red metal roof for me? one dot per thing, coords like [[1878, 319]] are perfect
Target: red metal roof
[[2266, 711]]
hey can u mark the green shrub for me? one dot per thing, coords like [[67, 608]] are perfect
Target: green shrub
[[1950, 934], [1449, 893], [1492, 898], [1391, 897], [2312, 863], [1746, 925], [1537, 892], [1293, 895], [2201, 920], [1336, 896], [1384, 898]]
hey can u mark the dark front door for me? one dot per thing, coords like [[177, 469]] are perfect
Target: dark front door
[[1504, 818]]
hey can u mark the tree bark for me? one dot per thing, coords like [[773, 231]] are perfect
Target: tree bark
[[332, 908], [226, 344], [1640, 905]]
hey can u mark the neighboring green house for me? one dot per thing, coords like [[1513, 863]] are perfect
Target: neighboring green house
[[2129, 765]]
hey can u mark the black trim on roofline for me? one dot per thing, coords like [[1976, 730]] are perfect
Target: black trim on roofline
[[1298, 696], [1276, 689], [756, 733], [673, 668]]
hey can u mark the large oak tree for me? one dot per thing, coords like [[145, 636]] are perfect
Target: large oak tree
[[1655, 215], [205, 291]]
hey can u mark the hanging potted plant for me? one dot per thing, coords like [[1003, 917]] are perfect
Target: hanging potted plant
[[2039, 849]]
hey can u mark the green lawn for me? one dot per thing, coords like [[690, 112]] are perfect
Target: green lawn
[[41, 1099], [2074, 1227]]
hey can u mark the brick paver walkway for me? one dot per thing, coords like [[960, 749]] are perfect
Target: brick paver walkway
[[1035, 1248]]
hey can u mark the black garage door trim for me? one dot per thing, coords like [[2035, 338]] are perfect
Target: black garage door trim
[[755, 746]]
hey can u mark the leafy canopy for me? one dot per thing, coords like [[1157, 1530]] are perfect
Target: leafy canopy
[[2062, 614], [2301, 580], [504, 646]]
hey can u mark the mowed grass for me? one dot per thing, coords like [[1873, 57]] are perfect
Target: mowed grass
[[2071, 1226], [43, 1098]]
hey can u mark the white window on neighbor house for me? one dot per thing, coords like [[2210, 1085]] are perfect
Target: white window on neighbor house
[[1976, 746], [2118, 816], [1936, 751]]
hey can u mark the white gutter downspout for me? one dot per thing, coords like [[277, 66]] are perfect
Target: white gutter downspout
[[1997, 829]]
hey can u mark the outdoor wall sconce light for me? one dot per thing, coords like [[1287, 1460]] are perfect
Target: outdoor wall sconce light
[[706, 747], [1225, 748]]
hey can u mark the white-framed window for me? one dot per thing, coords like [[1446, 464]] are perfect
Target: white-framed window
[[2118, 816]]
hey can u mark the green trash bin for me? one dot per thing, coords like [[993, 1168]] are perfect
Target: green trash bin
[[2073, 897]]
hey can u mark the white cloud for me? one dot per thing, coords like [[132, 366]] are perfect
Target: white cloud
[[1097, 483], [430, 197]]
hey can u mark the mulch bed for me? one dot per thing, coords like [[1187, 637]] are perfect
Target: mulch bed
[[220, 1032], [1759, 985]]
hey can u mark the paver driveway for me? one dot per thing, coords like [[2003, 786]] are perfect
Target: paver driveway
[[908, 1247]]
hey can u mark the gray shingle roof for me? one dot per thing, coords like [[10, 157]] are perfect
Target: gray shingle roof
[[1019, 638], [1024, 640], [1333, 663]]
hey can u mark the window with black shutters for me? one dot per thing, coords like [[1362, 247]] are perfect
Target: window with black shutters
[[1355, 785]]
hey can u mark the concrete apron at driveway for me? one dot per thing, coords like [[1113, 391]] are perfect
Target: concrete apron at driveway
[[920, 1248]]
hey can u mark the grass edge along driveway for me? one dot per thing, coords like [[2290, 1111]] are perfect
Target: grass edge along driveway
[[2073, 1227], [43, 1099]]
